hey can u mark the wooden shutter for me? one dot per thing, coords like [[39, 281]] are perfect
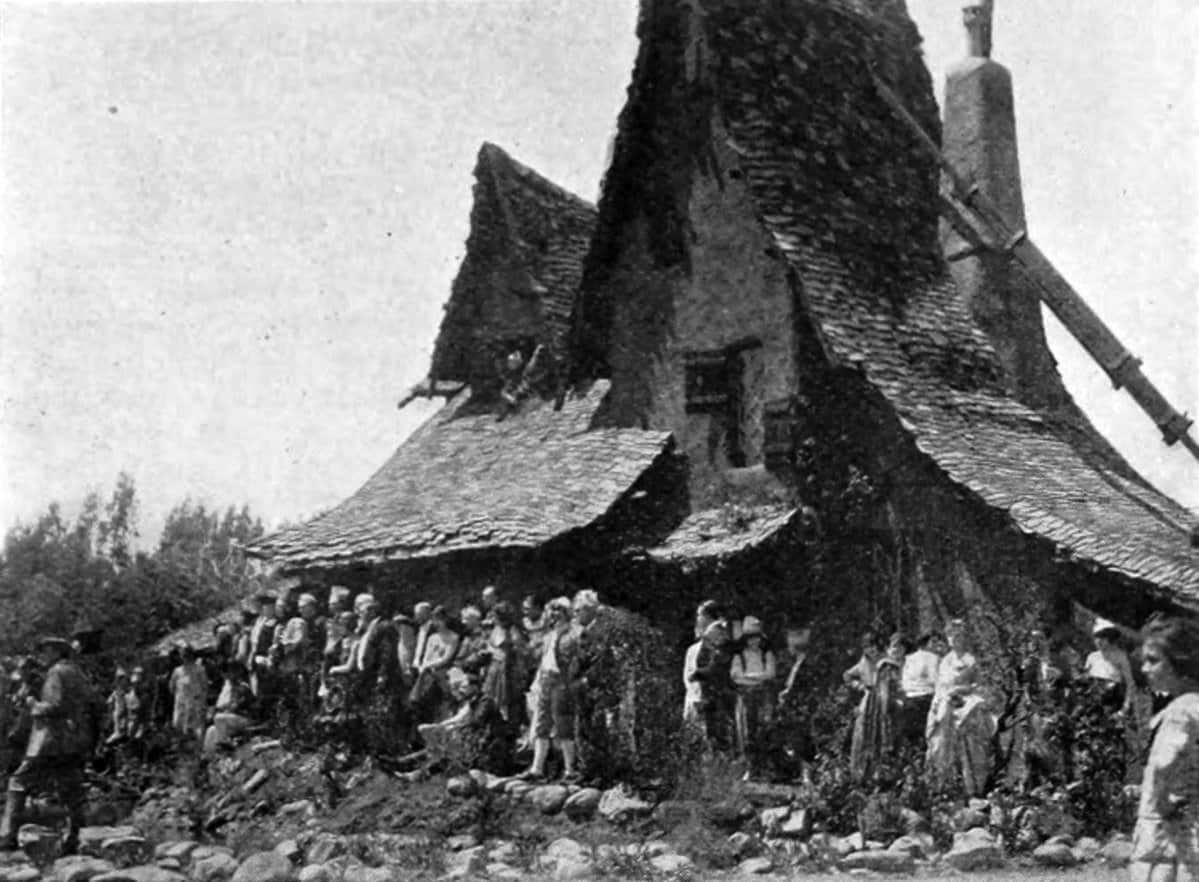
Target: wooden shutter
[[706, 381], [780, 421]]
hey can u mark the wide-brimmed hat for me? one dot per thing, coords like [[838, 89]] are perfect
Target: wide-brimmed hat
[[339, 593], [52, 640], [751, 626], [306, 600], [1104, 626]]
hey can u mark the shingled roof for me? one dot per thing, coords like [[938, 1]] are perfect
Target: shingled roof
[[466, 480], [520, 274], [851, 204], [717, 534]]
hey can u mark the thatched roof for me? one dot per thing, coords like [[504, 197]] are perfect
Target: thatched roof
[[519, 277], [469, 481], [850, 202]]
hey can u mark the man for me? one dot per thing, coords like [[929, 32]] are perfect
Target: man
[[597, 681], [555, 715], [59, 743], [262, 638], [339, 601], [243, 652], [374, 673], [712, 672], [487, 601], [294, 658], [794, 749]]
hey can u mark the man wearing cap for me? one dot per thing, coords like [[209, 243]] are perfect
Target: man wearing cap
[[262, 638], [58, 746]]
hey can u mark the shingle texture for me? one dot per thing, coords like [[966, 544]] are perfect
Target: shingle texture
[[721, 533], [835, 178], [467, 481], [519, 276]]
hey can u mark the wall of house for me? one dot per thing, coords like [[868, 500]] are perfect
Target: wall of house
[[733, 293]]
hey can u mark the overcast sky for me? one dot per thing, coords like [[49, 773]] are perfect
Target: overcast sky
[[229, 228]]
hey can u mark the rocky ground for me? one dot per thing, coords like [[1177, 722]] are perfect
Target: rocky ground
[[264, 814]]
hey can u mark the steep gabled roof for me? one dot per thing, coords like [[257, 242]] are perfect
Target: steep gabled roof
[[850, 202], [521, 271], [467, 481]]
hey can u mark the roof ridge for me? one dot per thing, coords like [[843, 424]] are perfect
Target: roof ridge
[[501, 163]]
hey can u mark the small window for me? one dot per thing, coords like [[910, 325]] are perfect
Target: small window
[[723, 383], [780, 423]]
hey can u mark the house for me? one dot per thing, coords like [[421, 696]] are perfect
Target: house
[[771, 384]]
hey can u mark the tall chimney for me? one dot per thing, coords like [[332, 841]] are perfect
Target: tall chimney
[[979, 139]]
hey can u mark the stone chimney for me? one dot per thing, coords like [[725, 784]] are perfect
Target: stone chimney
[[979, 139]]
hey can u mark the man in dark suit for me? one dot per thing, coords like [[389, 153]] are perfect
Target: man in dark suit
[[375, 674]]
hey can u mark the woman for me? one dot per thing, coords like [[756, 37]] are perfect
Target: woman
[[472, 657], [877, 675], [189, 688], [431, 692], [1165, 846], [1109, 667], [505, 678], [960, 726], [713, 664], [753, 670]]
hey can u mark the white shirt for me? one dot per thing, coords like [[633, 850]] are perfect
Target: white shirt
[[919, 676], [693, 689]]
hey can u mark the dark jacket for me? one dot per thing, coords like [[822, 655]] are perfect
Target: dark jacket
[[64, 718]]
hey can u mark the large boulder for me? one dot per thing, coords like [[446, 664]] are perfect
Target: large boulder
[[79, 868], [126, 851], [879, 861], [969, 817], [755, 865], [916, 845], [1117, 851], [744, 845], [91, 838], [549, 799], [670, 862], [618, 806], [265, 866], [974, 849], [581, 806], [462, 786], [314, 873], [797, 825], [363, 873], [179, 850], [20, 873], [468, 862], [1087, 849], [1055, 854], [212, 866]]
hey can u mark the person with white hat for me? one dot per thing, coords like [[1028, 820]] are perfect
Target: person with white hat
[[753, 671], [1109, 665]]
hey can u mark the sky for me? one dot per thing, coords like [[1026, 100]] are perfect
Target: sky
[[228, 229]]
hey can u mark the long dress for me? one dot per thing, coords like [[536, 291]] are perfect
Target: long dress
[[753, 671], [1165, 843], [960, 727], [189, 684], [505, 677], [874, 722]]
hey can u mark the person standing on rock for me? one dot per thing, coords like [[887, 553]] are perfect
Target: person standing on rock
[[1165, 843], [753, 671], [960, 726], [262, 638], [374, 674], [293, 653], [555, 714], [58, 747]]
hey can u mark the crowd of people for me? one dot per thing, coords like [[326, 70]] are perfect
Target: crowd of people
[[481, 686]]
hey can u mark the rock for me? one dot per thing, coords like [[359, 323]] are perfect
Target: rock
[[797, 825], [324, 848], [170, 864], [299, 807], [916, 845], [968, 818], [772, 819], [675, 813], [1117, 852], [467, 862], [461, 841], [504, 853], [290, 849], [313, 873], [744, 845], [256, 781], [126, 851], [1055, 854], [265, 866], [879, 861], [846, 845], [214, 867], [913, 821], [756, 865], [656, 847], [618, 806], [671, 863], [79, 868], [20, 873], [179, 850], [42, 844], [91, 838], [503, 872], [200, 852], [549, 799], [141, 874], [518, 789], [581, 806], [728, 814], [461, 786], [1087, 849], [974, 849], [362, 873], [499, 785], [564, 847]]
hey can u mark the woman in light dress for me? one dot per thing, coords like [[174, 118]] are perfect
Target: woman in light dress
[[1165, 844], [189, 687], [960, 725], [753, 670]]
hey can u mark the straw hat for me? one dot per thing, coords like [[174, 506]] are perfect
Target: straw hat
[[750, 626]]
